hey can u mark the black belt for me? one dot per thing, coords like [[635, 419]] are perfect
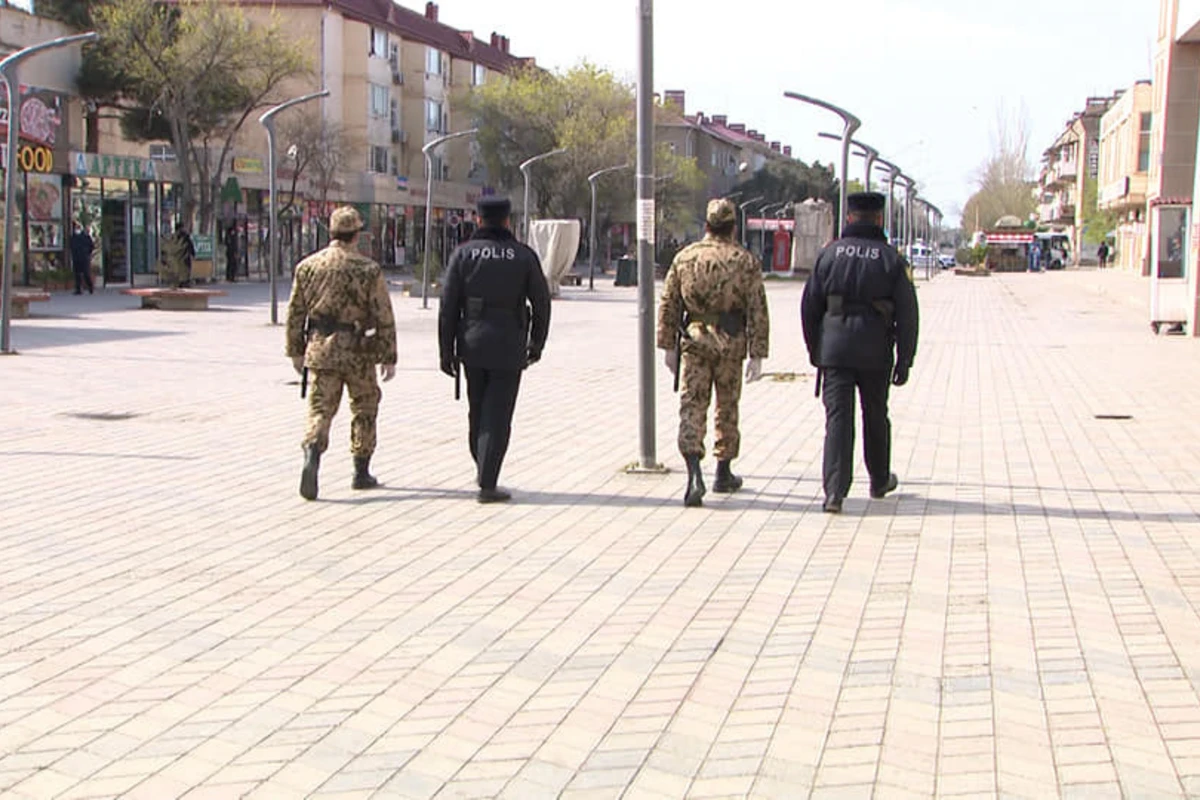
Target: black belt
[[327, 327]]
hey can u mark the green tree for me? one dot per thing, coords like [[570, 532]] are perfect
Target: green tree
[[783, 180], [192, 73], [1096, 223], [591, 113]]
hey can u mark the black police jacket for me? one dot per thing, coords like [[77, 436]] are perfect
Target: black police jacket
[[495, 307], [860, 303]]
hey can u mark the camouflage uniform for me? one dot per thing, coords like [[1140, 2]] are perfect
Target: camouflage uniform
[[346, 290], [713, 276]]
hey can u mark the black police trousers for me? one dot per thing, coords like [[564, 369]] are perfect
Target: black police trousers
[[873, 387], [492, 395]]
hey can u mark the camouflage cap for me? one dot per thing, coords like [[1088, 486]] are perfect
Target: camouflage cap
[[721, 212], [345, 219]]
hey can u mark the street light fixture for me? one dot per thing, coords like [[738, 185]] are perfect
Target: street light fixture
[[268, 122], [864, 150], [851, 124], [592, 228], [12, 86], [893, 175], [427, 151], [742, 212], [525, 165]]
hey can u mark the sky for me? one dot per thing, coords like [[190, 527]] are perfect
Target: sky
[[928, 78]]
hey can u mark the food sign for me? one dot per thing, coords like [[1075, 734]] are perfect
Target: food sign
[[43, 129]]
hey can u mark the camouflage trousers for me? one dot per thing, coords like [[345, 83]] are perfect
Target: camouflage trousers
[[700, 376], [324, 397]]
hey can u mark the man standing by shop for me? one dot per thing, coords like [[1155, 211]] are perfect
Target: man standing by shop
[[493, 321], [859, 306], [82, 248], [713, 313], [339, 326]]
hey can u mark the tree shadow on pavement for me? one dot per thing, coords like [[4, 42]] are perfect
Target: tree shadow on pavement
[[917, 506]]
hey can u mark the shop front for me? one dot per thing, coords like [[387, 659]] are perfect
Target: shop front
[[122, 204]]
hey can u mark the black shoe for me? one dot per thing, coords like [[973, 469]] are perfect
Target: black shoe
[[487, 496], [363, 479], [892, 484], [726, 482], [694, 496], [308, 477], [833, 505]]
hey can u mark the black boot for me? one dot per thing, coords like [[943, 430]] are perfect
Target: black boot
[[726, 482], [880, 492], [694, 498], [308, 477], [363, 479]]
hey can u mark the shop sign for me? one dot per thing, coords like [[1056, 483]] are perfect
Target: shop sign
[[204, 246], [248, 165], [30, 158], [96, 165], [43, 117]]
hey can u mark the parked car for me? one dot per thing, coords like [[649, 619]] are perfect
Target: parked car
[[947, 260], [921, 256]]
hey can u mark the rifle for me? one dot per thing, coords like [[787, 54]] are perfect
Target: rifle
[[457, 385], [820, 380], [304, 372], [678, 356]]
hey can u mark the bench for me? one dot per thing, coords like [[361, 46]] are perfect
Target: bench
[[175, 299], [21, 301]]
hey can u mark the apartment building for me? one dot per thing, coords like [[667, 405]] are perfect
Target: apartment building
[[1126, 146], [1068, 166]]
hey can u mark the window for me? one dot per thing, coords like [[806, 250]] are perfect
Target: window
[[433, 61], [1147, 123], [162, 152], [433, 116], [377, 159], [478, 74], [379, 43], [380, 100], [714, 158]]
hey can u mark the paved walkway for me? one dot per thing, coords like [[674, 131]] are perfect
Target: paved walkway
[[1020, 621]]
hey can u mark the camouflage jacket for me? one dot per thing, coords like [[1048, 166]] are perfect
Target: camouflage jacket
[[709, 277], [344, 290]]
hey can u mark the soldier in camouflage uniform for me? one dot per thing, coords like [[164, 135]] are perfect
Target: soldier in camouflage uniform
[[714, 293], [339, 326]]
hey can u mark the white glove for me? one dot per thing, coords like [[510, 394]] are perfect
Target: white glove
[[753, 370], [387, 372], [298, 364], [669, 359]]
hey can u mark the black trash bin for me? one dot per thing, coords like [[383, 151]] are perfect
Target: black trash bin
[[626, 272]]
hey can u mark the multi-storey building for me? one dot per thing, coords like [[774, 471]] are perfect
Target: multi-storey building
[[1067, 168], [1125, 156]]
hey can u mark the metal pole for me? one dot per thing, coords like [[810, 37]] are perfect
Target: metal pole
[[268, 122], [595, 176], [525, 165], [742, 212], [865, 150], [427, 151], [645, 233], [12, 87], [851, 124], [893, 174]]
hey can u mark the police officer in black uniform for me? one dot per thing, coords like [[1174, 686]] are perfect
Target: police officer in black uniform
[[859, 306], [494, 319]]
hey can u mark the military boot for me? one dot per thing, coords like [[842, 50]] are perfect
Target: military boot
[[694, 498], [726, 482], [308, 476], [362, 478], [880, 492]]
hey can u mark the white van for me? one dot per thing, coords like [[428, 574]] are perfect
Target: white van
[[921, 256]]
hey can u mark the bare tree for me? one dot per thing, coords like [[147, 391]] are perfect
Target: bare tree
[[1004, 182], [319, 148]]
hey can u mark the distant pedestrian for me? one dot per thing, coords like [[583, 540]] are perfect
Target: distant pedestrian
[[340, 325], [1035, 256], [1103, 254], [860, 324], [493, 321], [712, 315], [231, 253], [82, 248]]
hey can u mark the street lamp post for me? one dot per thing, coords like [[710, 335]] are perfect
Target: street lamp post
[[427, 151], [893, 175], [268, 122], [742, 213], [592, 227], [646, 218], [909, 185], [850, 124], [12, 86], [525, 165], [864, 150]]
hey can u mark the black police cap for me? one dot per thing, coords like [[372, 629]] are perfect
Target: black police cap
[[494, 208], [866, 201]]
